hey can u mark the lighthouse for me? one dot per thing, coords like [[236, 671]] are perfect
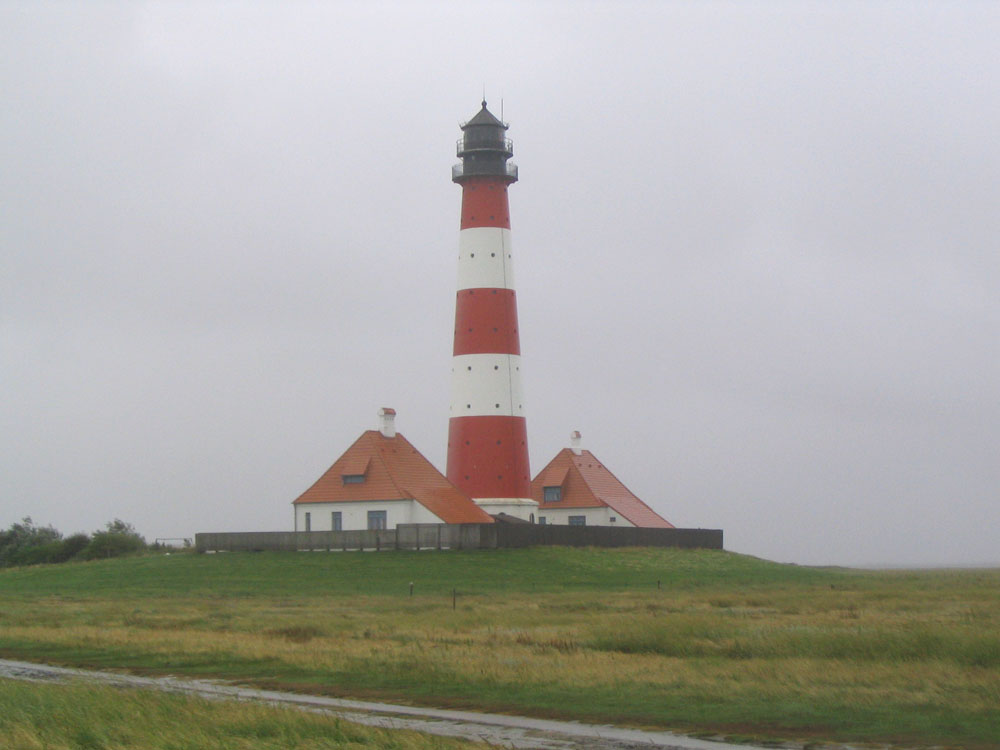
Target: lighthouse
[[487, 436]]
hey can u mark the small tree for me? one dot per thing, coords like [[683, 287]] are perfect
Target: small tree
[[117, 539], [72, 546], [24, 543]]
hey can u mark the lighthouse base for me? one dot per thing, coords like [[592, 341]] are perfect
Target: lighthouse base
[[520, 507]]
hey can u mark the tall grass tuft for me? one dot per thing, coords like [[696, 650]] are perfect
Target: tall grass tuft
[[35, 715], [702, 636]]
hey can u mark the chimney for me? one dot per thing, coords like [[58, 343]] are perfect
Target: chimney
[[387, 422], [574, 442]]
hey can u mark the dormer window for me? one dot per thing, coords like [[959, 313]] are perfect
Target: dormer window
[[354, 469], [553, 494]]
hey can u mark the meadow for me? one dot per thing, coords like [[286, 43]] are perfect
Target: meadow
[[37, 716], [706, 642]]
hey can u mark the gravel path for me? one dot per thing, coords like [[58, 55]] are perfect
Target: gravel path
[[496, 729]]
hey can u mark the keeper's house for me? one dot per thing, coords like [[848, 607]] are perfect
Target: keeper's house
[[382, 481], [577, 489]]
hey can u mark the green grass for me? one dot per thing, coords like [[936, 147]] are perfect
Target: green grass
[[696, 640], [536, 570], [35, 716]]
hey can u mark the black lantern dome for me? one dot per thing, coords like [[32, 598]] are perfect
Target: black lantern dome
[[484, 149]]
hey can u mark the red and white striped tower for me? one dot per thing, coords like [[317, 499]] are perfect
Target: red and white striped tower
[[487, 439]]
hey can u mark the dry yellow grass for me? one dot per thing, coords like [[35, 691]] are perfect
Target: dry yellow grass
[[517, 639], [76, 717]]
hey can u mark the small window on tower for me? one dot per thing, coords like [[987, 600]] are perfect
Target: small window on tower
[[553, 494]]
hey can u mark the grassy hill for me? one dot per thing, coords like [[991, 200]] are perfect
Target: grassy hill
[[702, 641], [534, 570]]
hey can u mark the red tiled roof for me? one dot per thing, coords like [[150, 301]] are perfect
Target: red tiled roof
[[356, 465], [395, 471], [553, 475], [587, 483]]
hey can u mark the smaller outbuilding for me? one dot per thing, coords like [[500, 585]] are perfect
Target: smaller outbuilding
[[379, 482], [577, 489]]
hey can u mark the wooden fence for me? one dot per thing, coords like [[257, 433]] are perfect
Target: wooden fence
[[417, 536]]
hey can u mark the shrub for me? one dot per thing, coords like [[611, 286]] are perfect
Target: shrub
[[72, 546], [24, 543], [117, 539]]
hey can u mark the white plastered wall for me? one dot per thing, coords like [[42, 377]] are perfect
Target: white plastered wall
[[513, 506], [595, 516], [354, 515]]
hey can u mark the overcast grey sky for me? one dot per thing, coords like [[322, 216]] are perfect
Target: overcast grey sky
[[756, 247]]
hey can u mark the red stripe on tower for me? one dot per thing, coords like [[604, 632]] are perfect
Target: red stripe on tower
[[489, 322], [487, 437], [484, 201]]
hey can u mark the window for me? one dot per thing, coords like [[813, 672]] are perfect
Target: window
[[612, 519], [376, 519], [577, 520], [336, 521], [309, 522], [553, 494], [353, 478], [542, 521]]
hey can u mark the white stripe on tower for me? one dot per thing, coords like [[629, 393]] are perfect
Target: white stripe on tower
[[487, 438], [484, 258], [486, 385]]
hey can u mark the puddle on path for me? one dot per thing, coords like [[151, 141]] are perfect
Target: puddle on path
[[496, 729]]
